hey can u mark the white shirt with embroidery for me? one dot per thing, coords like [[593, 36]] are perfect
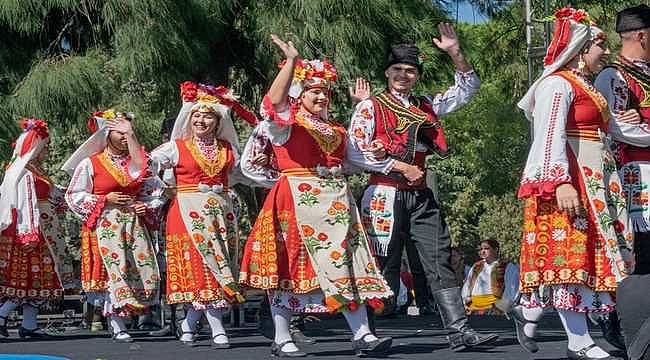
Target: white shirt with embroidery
[[483, 284], [547, 165], [258, 142], [611, 83], [362, 126]]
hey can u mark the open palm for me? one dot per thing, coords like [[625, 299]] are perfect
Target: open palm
[[448, 38]]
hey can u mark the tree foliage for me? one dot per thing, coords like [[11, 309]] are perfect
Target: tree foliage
[[63, 59]]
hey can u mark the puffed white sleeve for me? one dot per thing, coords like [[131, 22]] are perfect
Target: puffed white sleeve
[[360, 135], [547, 165], [80, 197], [466, 85], [614, 88], [27, 214]]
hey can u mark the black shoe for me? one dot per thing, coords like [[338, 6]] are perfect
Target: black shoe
[[452, 313], [125, 340], [33, 334], [216, 346], [276, 350], [611, 329], [425, 311], [378, 347], [582, 354], [300, 338], [165, 331], [528, 343], [3, 327]]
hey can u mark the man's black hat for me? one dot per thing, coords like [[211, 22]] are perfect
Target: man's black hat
[[404, 54], [633, 18]]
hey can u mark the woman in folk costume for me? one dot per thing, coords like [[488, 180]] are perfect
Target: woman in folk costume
[[115, 193], [575, 246], [308, 247], [492, 284], [202, 240], [33, 267]]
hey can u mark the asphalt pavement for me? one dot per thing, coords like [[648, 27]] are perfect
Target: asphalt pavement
[[414, 337]]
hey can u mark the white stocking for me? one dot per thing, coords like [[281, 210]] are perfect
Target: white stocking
[[358, 322], [281, 320], [531, 314], [6, 308], [214, 318], [117, 324], [189, 323], [575, 325], [29, 317]]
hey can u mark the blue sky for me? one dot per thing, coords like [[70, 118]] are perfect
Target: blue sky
[[465, 12]]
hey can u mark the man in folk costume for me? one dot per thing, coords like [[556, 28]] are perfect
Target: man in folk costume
[[32, 232], [576, 245], [398, 209], [202, 236], [115, 193], [626, 85], [308, 247]]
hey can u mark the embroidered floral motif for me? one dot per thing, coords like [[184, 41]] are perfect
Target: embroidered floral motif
[[308, 195], [329, 136], [211, 168]]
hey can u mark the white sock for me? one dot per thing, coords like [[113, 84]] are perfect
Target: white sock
[[189, 323], [281, 320], [29, 317], [214, 318], [358, 322], [7, 307], [531, 314], [117, 324], [575, 325]]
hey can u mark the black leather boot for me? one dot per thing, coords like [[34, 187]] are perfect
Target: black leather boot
[[453, 316]]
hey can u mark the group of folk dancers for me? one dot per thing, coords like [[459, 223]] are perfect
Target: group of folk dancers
[[312, 248]]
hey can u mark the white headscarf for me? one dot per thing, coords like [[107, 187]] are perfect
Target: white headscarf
[[96, 142], [29, 144], [573, 26], [225, 129]]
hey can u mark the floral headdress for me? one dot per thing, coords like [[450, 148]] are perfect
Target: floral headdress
[[564, 18], [98, 118], [308, 74], [201, 93], [573, 30]]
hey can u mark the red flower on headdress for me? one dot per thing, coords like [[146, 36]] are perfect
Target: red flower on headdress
[[580, 16], [564, 13], [192, 92], [34, 129], [189, 91]]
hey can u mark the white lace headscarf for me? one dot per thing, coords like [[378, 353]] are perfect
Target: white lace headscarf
[[573, 31]]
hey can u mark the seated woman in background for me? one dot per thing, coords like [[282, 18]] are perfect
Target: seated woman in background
[[491, 283]]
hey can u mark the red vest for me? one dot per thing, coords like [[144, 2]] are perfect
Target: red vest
[[400, 128], [584, 114], [107, 178], [638, 99], [188, 171]]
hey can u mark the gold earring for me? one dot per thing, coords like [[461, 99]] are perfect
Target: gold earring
[[581, 64]]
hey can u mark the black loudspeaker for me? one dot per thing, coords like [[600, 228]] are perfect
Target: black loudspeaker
[[633, 307]]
